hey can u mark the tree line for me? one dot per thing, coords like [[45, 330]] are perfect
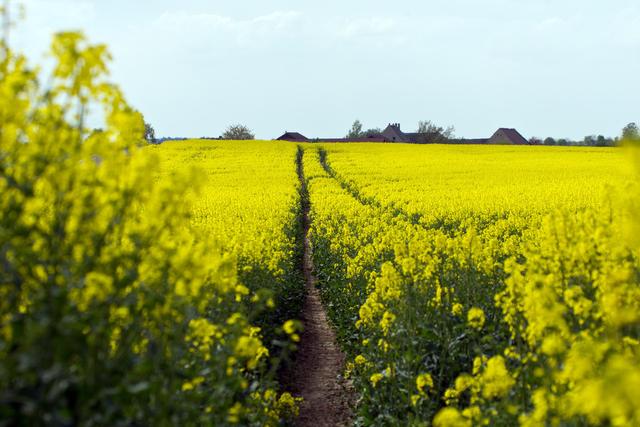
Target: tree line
[[237, 132], [428, 133], [629, 133]]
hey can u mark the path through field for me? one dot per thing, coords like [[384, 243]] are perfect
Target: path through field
[[319, 363]]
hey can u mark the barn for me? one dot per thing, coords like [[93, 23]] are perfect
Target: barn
[[392, 133], [506, 136], [293, 137]]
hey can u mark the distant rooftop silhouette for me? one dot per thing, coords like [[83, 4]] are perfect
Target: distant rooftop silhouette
[[393, 133], [292, 136]]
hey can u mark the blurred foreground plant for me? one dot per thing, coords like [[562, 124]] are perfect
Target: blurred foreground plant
[[111, 312]]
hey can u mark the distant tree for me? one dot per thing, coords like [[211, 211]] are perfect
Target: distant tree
[[356, 130], [430, 133], [563, 141], [631, 132], [590, 140], [149, 133], [535, 141], [237, 133], [371, 132], [598, 141], [549, 141], [603, 141]]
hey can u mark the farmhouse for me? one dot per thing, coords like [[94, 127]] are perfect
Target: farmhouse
[[393, 133], [298, 137], [506, 136], [292, 136]]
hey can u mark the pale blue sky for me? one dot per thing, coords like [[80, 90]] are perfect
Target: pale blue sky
[[565, 68]]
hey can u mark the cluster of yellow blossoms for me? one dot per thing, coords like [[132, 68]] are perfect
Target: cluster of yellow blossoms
[[126, 296], [154, 285], [502, 273]]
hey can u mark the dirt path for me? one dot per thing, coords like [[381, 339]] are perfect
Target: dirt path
[[317, 372]]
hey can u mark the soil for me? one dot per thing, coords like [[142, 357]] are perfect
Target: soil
[[316, 373]]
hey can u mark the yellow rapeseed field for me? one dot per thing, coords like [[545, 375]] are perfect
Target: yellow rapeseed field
[[478, 285], [159, 285], [248, 195]]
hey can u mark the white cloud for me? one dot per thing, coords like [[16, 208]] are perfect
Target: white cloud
[[276, 20], [372, 26], [203, 28], [211, 25]]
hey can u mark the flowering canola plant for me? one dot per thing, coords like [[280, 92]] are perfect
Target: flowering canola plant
[[157, 284], [117, 304], [247, 204], [480, 285]]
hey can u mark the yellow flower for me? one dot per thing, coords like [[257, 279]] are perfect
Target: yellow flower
[[201, 335], [387, 320], [289, 327], [360, 360], [424, 381], [234, 414], [190, 385], [496, 380], [456, 309], [450, 417], [383, 345], [464, 381], [478, 361], [415, 398], [475, 318], [376, 378], [450, 396], [287, 406], [252, 349], [553, 345], [97, 287]]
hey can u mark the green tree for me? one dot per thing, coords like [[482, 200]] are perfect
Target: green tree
[[149, 133], [631, 132], [430, 133], [590, 140], [238, 133], [355, 131], [373, 132]]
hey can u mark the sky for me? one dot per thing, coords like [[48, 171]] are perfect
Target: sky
[[561, 68]]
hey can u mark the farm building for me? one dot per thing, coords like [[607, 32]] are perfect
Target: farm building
[[507, 136], [298, 137], [393, 133], [502, 136], [292, 136]]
